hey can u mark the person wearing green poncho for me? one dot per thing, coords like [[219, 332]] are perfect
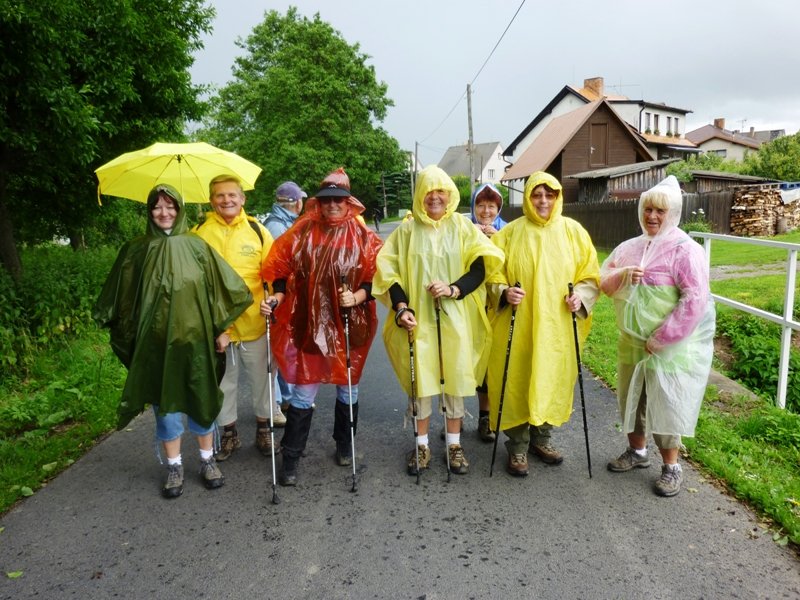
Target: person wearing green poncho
[[167, 298]]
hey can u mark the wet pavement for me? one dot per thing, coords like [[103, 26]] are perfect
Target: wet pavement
[[101, 529]]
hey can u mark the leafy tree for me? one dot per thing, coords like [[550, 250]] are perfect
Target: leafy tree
[[303, 102], [80, 82], [778, 159], [702, 162]]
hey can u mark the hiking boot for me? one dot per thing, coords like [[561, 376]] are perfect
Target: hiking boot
[[628, 460], [546, 453], [174, 485], [458, 462], [229, 443], [288, 473], [212, 476], [517, 465], [669, 484], [485, 429], [264, 441], [344, 454], [278, 418], [424, 459]]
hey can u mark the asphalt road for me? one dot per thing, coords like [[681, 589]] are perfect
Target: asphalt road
[[101, 529]]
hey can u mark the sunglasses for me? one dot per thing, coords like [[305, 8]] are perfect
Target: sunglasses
[[329, 199]]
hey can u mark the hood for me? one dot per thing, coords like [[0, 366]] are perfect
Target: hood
[[429, 179], [536, 179], [665, 194], [181, 226], [484, 190]]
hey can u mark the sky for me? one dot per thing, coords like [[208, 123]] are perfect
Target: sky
[[732, 59]]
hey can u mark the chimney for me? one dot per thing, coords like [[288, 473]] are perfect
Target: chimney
[[596, 85], [752, 132], [719, 123]]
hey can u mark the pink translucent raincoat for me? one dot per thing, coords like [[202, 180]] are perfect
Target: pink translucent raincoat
[[670, 313]]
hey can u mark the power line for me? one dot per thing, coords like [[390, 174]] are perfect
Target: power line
[[461, 97]]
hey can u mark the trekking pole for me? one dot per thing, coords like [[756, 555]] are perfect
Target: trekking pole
[[346, 314], [275, 499], [437, 305], [580, 383], [413, 397], [503, 386]]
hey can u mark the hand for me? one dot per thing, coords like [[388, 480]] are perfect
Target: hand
[[636, 275], [407, 321], [268, 306], [489, 231], [514, 295], [573, 302], [346, 297], [222, 342], [652, 346], [439, 289]]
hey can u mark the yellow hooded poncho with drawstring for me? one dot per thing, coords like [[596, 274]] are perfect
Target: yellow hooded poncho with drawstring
[[422, 250], [544, 256]]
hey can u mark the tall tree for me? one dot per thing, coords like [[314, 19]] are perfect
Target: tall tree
[[302, 102], [81, 81], [779, 159]]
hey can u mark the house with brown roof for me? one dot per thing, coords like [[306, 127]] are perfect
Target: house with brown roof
[[659, 125], [593, 136], [715, 139]]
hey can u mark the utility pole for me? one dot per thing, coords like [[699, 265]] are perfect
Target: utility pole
[[383, 185], [470, 147]]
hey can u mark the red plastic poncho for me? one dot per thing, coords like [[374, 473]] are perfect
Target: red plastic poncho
[[312, 256]]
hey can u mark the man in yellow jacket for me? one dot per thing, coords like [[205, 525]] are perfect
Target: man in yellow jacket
[[244, 243]]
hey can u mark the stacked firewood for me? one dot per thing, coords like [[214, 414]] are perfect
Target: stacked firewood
[[756, 210]]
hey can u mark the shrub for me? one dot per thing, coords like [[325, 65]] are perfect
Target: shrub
[[697, 222]]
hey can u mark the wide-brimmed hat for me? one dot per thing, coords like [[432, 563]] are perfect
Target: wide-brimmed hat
[[335, 185]]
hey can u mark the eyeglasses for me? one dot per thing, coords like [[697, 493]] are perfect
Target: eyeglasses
[[329, 199]]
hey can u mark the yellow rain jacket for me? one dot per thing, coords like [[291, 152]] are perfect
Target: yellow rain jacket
[[544, 257], [419, 251], [245, 251]]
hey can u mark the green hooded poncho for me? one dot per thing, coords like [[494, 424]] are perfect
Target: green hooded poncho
[[167, 297]]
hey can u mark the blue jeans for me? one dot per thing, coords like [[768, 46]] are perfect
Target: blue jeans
[[170, 426], [303, 395]]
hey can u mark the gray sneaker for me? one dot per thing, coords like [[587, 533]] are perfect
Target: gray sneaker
[[628, 460], [174, 485], [669, 484], [211, 474]]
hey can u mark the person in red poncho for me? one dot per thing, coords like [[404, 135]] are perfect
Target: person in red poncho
[[323, 265]]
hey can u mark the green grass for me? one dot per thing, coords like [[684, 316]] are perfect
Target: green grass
[[732, 253], [54, 416]]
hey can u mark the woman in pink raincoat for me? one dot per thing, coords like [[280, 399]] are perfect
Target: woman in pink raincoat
[[659, 283]]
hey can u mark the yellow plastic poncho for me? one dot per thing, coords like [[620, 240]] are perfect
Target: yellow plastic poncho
[[422, 250], [544, 257]]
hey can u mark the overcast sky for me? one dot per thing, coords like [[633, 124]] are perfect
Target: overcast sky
[[736, 59]]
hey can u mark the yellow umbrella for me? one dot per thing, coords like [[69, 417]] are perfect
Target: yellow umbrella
[[187, 167]]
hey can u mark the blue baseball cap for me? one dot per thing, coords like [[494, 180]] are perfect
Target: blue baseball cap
[[289, 191]]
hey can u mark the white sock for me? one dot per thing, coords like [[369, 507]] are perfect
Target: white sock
[[640, 452], [174, 461], [206, 454], [453, 438], [675, 467], [422, 440]]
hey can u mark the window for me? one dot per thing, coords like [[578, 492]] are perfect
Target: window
[[655, 124], [676, 131], [669, 125], [722, 152], [647, 121], [491, 174]]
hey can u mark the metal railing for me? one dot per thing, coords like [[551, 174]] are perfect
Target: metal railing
[[785, 321]]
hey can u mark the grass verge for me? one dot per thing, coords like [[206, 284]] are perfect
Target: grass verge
[[59, 412]]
